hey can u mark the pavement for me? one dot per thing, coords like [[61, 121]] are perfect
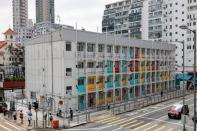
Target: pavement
[[151, 118]]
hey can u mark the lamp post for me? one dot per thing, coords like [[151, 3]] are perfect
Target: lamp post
[[184, 27]]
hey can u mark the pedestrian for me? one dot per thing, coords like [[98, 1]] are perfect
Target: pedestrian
[[15, 115], [21, 116], [71, 114], [161, 93], [29, 106], [29, 117], [45, 118], [51, 119], [4, 111]]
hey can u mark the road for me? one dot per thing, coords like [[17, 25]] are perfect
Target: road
[[6, 125], [151, 118]]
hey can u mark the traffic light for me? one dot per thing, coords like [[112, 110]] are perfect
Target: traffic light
[[35, 105]]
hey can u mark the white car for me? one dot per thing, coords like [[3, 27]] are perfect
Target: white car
[[175, 111]]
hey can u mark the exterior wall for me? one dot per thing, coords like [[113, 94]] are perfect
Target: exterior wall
[[116, 18], [132, 69], [192, 24], [20, 13], [175, 15], [155, 19], [145, 16], [23, 33]]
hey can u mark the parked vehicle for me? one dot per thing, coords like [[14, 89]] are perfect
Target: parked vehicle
[[176, 110]]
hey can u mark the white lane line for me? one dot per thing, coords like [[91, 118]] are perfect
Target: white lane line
[[150, 127], [135, 124], [141, 126], [159, 109], [129, 123], [101, 128], [117, 129], [21, 128], [160, 128], [14, 126], [109, 120], [5, 128], [118, 121]]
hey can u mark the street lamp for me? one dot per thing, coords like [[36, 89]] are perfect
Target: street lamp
[[184, 27]]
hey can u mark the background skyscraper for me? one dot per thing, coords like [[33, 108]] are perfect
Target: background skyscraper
[[45, 11], [20, 13]]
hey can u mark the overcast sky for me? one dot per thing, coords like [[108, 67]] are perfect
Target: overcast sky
[[87, 13]]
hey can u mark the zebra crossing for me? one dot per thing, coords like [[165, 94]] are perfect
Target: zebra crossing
[[135, 124]]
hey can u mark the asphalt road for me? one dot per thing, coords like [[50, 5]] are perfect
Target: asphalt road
[[152, 118]]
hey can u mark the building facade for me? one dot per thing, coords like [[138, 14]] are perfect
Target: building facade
[[20, 13], [10, 52], [116, 18], [92, 69], [45, 11]]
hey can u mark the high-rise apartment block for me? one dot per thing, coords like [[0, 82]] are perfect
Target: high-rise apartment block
[[20, 13], [156, 20], [45, 11]]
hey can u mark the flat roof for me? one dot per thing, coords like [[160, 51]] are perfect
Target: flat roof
[[65, 34]]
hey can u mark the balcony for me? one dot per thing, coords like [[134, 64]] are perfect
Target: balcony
[[137, 81], [117, 84], [124, 82], [109, 70], [80, 55], [131, 82], [91, 87], [81, 88], [109, 99], [117, 98], [91, 71], [91, 55], [100, 86], [101, 101], [109, 84], [124, 69]]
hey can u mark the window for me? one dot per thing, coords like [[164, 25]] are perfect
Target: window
[[69, 90], [11, 37], [81, 82], [80, 65], [68, 71], [90, 48], [90, 65], [117, 49], [100, 48], [1, 77], [100, 64], [68, 46], [80, 47], [109, 49]]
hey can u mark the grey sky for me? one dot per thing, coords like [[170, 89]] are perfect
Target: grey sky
[[87, 13]]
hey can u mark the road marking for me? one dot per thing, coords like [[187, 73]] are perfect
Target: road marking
[[117, 129], [5, 128], [105, 118], [170, 129], [159, 109], [141, 126], [101, 128], [150, 127], [129, 123], [112, 119], [158, 129], [118, 121], [135, 124], [14, 126]]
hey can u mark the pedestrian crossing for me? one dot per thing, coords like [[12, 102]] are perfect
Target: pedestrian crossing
[[7, 126], [135, 124]]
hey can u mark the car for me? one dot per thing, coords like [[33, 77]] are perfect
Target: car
[[176, 110]]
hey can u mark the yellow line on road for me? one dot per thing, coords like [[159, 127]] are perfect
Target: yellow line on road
[[135, 124], [141, 126], [14, 126], [170, 129], [150, 127], [106, 119], [118, 121], [158, 129], [129, 123], [5, 128]]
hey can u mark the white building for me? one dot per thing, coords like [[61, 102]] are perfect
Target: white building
[[46, 26], [92, 69], [23, 33]]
